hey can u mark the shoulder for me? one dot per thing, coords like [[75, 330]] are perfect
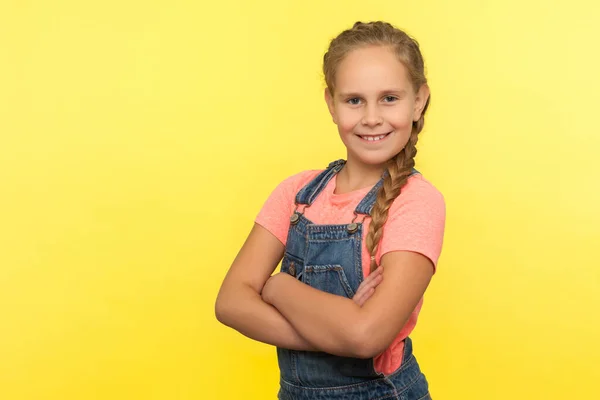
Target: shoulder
[[283, 195], [297, 181], [416, 220], [419, 194], [274, 215]]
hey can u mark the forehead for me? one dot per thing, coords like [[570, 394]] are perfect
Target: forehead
[[369, 69]]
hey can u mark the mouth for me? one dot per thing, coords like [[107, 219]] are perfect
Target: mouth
[[374, 138]]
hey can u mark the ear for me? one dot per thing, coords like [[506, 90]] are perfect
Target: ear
[[330, 106], [421, 101]]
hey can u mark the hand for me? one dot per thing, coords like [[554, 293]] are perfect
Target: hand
[[367, 287], [267, 289]]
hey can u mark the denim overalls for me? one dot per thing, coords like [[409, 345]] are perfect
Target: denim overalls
[[328, 257]]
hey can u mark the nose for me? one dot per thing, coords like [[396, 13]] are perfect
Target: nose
[[372, 116]]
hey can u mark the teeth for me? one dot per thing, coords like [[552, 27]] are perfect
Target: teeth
[[374, 138]]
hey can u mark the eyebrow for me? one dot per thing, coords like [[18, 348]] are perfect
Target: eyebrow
[[400, 92]]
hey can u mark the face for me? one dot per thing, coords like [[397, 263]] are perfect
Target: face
[[374, 105]]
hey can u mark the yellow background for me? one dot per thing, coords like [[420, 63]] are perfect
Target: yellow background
[[139, 139]]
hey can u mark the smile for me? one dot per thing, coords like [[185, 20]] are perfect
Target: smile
[[374, 138]]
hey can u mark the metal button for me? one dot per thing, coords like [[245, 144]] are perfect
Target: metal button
[[353, 227], [294, 218], [292, 270]]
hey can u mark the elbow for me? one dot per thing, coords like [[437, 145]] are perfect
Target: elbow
[[223, 311], [367, 349], [228, 305], [367, 344], [220, 311]]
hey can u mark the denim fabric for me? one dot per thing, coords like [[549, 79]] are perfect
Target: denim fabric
[[328, 257], [407, 383]]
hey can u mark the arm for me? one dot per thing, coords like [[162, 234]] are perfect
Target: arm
[[342, 327], [239, 304]]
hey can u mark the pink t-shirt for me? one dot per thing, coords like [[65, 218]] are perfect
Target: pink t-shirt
[[415, 223]]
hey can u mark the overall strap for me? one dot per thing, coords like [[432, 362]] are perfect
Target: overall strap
[[366, 205], [309, 193]]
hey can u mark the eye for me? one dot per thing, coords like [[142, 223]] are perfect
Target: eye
[[353, 101], [390, 99]]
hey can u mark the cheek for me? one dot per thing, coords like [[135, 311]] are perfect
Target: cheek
[[401, 119], [347, 120]]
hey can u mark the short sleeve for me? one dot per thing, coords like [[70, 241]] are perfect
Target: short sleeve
[[416, 221], [275, 214]]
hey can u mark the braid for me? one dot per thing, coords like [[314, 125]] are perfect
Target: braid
[[399, 169]]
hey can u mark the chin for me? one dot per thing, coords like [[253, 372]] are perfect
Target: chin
[[373, 160]]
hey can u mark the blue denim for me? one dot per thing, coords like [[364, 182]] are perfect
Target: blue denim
[[328, 258]]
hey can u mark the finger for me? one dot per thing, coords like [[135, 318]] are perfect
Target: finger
[[378, 271], [366, 296], [372, 276], [360, 298], [362, 288], [365, 282], [365, 290], [373, 283]]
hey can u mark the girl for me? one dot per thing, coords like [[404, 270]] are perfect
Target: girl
[[340, 328]]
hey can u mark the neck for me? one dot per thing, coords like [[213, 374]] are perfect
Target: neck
[[356, 176]]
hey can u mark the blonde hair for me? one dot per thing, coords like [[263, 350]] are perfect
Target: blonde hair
[[400, 166]]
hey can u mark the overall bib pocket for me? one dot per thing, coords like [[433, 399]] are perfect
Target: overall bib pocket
[[328, 278]]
